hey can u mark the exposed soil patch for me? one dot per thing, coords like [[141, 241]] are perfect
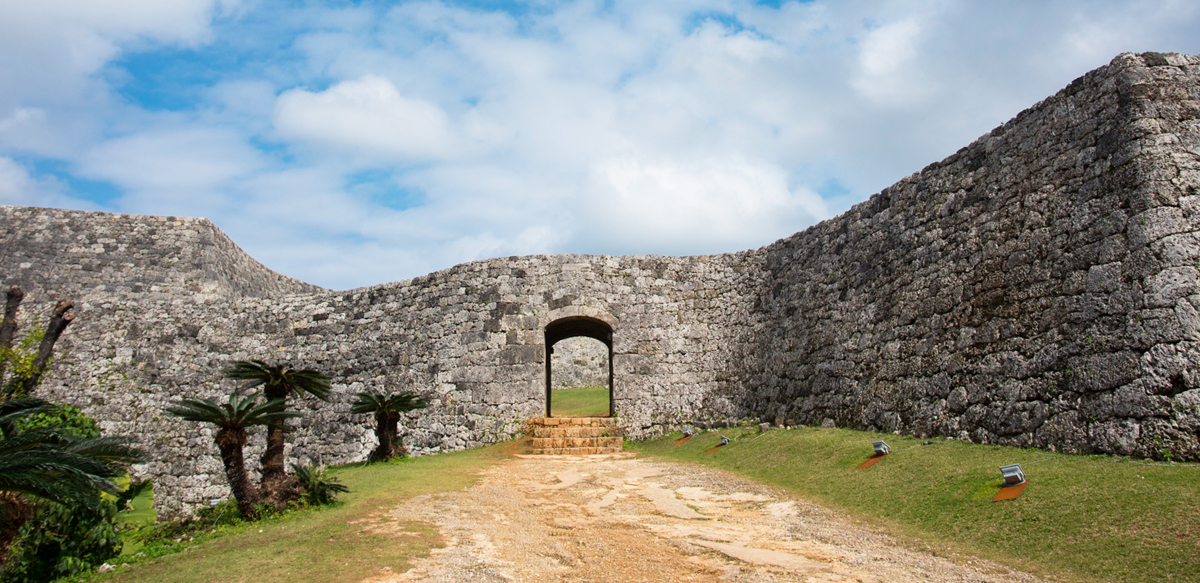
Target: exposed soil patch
[[604, 519]]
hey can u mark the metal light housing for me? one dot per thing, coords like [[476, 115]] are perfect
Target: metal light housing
[[725, 440], [881, 448], [1013, 475]]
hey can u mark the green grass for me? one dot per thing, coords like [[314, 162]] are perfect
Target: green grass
[[333, 544], [579, 402], [1081, 518]]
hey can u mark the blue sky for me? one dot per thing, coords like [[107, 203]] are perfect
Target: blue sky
[[353, 143]]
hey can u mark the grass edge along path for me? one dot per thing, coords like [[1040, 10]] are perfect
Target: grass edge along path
[[347, 542], [1081, 518]]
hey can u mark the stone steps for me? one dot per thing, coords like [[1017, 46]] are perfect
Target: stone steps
[[569, 431], [575, 436], [573, 422], [560, 442]]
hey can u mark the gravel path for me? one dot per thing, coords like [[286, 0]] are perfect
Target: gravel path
[[608, 519]]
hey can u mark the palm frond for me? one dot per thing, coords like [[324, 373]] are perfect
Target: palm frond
[[48, 464], [368, 401], [278, 376], [238, 413], [373, 401], [108, 449]]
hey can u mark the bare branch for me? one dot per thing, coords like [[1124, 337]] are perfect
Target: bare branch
[[59, 320], [8, 328]]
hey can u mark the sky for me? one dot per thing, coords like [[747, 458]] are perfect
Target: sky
[[354, 143]]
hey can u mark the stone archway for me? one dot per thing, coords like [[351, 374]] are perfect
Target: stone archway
[[571, 327]]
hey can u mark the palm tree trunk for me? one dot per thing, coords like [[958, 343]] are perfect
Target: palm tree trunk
[[273, 472], [385, 431], [235, 471]]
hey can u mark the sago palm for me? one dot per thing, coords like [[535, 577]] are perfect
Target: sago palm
[[52, 464], [388, 410], [278, 382], [232, 419]]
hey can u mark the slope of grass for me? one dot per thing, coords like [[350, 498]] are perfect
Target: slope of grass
[[579, 402], [1081, 518], [333, 544]]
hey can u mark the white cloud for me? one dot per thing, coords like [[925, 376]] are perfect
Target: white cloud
[[356, 144], [886, 62], [697, 205], [188, 170], [19, 187], [367, 115]]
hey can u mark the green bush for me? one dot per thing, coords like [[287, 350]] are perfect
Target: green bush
[[60, 541], [18, 361], [320, 488], [65, 417]]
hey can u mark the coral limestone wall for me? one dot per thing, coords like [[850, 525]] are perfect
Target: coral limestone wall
[[1037, 288], [579, 362]]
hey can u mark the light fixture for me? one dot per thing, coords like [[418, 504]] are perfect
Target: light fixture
[[212, 502], [1014, 483], [881, 448], [724, 441], [1013, 475], [688, 432]]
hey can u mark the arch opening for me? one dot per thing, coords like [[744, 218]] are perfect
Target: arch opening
[[580, 327]]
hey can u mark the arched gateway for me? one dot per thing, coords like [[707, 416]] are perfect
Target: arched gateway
[[571, 327]]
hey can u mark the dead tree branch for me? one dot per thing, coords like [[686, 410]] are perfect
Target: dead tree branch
[[8, 327], [59, 321]]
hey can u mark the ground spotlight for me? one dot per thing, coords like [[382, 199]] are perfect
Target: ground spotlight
[[1012, 475], [881, 449], [1014, 483], [688, 432], [724, 441]]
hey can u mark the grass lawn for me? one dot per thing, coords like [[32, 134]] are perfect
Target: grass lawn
[[330, 544], [579, 402], [1081, 518]]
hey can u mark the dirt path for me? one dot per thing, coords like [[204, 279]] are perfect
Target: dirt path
[[612, 520]]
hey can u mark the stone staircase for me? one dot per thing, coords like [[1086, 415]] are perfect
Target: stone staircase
[[575, 436]]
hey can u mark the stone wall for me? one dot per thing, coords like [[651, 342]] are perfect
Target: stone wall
[[470, 337], [130, 257], [1037, 288], [579, 362]]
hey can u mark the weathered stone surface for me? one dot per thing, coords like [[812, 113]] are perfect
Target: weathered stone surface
[[1038, 288], [579, 362]]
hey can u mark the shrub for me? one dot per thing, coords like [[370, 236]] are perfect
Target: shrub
[[64, 417], [320, 488], [18, 361], [61, 541]]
